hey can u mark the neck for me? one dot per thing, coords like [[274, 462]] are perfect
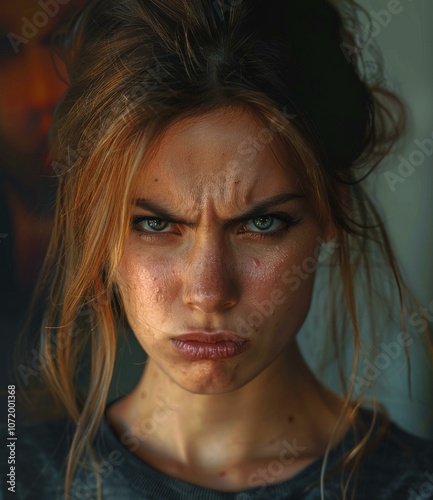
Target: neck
[[281, 405]]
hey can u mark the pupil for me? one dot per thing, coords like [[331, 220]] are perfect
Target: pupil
[[263, 222], [156, 224]]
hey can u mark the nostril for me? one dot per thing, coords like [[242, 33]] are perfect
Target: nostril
[[216, 296]]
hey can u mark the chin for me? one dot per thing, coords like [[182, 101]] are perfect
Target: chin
[[209, 377]]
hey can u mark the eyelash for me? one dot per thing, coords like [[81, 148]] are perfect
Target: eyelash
[[287, 220]]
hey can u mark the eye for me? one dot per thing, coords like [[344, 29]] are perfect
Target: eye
[[264, 226], [149, 224], [264, 222], [270, 225]]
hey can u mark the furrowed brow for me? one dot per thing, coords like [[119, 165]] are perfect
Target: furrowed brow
[[159, 211], [256, 210]]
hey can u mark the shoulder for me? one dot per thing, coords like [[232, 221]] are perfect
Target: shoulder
[[38, 455], [397, 463], [392, 448]]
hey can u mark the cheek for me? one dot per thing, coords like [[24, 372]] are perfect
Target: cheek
[[287, 268], [146, 284], [279, 287]]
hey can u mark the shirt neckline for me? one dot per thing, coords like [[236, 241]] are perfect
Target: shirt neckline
[[143, 477]]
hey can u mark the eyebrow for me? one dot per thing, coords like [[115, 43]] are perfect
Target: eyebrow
[[255, 211]]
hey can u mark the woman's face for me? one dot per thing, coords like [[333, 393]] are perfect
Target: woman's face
[[204, 256]]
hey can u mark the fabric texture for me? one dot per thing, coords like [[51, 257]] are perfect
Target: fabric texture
[[399, 466]]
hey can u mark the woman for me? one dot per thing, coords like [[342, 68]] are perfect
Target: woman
[[210, 157]]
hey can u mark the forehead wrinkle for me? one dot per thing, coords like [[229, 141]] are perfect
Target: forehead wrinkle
[[230, 195], [196, 208], [215, 178], [225, 199], [206, 208]]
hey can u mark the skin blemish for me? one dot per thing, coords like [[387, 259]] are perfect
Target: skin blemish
[[222, 473], [156, 179], [290, 419], [143, 395]]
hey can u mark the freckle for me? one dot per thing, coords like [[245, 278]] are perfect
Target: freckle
[[222, 473], [156, 179], [290, 419], [143, 395]]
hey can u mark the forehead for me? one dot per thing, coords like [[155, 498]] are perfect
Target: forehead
[[224, 151]]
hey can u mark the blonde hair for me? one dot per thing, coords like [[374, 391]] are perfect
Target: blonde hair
[[136, 68]]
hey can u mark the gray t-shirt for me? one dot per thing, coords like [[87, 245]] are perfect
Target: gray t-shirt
[[398, 466]]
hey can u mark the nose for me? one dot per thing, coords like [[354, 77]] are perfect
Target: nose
[[209, 277]]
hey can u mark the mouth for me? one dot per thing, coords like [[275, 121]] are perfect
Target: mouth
[[201, 345]]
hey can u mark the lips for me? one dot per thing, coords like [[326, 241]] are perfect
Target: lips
[[209, 345], [210, 337]]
